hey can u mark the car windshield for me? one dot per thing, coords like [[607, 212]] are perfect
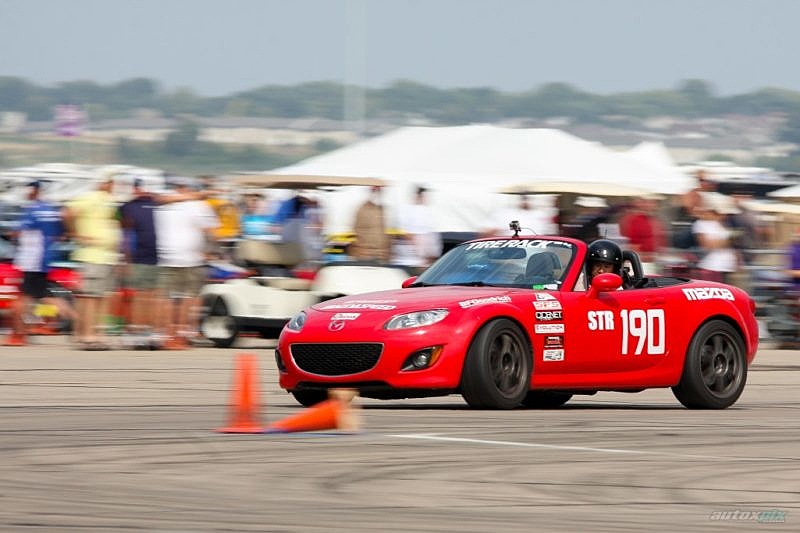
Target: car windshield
[[525, 263]]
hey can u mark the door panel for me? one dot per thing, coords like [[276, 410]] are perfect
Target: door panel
[[615, 332]]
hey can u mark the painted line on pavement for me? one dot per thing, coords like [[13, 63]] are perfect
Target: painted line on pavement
[[443, 438]]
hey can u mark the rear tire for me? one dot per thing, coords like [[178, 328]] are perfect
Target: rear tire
[[497, 370], [537, 399], [217, 325], [715, 369]]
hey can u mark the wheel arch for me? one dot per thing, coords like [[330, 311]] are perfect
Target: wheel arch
[[230, 301], [721, 317], [485, 321]]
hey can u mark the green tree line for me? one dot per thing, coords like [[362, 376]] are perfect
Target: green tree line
[[400, 100]]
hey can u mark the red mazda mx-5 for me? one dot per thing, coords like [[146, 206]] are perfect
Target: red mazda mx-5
[[509, 322]]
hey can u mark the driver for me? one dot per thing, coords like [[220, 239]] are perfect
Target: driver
[[606, 256]]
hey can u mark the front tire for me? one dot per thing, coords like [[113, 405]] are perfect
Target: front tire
[[217, 324], [715, 369], [497, 370]]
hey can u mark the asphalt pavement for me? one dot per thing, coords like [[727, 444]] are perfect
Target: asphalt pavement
[[125, 440]]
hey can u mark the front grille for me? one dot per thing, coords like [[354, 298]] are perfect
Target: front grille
[[336, 359]]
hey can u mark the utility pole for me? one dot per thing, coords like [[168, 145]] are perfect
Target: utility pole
[[355, 66]]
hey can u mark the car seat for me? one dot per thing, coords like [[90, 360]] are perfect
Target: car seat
[[540, 269]]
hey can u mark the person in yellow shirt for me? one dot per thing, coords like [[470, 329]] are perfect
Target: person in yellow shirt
[[227, 213], [92, 223]]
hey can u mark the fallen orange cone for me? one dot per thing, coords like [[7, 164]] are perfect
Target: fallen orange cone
[[244, 398], [337, 412]]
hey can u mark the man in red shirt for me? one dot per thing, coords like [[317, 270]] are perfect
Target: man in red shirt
[[644, 230]]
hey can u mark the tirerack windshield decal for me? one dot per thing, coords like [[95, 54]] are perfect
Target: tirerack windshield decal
[[509, 244]]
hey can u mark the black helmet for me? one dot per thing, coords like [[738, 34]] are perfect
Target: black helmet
[[606, 251]]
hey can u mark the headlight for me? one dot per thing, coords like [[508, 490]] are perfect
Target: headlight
[[416, 319], [297, 322]]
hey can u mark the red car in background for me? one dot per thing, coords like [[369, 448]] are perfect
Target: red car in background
[[508, 322], [63, 279]]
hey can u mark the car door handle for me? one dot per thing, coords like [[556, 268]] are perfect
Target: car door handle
[[655, 300]]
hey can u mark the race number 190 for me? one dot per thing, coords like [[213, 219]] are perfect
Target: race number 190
[[643, 327]]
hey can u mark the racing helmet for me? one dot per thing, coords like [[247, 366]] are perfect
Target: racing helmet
[[605, 251]]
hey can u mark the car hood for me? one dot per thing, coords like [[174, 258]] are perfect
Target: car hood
[[417, 298]]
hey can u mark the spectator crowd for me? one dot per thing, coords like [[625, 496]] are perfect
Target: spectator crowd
[[145, 261]]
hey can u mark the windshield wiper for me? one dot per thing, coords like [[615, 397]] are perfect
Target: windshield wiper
[[475, 283], [421, 284]]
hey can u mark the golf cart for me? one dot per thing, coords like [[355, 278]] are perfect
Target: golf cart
[[263, 303]]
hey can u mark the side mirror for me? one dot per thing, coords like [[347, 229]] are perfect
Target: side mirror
[[409, 281], [604, 283]]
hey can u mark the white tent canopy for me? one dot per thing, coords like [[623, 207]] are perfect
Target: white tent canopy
[[465, 166], [786, 193]]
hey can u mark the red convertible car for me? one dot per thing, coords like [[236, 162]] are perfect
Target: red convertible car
[[511, 321]]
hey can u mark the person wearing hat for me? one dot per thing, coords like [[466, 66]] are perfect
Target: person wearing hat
[[141, 256], [41, 226]]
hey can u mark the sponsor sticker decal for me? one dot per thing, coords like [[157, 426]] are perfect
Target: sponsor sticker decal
[[554, 341], [548, 315], [708, 293], [516, 243], [546, 305], [548, 328], [544, 296], [481, 301], [345, 316], [553, 355], [355, 305]]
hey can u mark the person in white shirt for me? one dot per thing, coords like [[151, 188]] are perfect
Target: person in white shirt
[[421, 243], [533, 214], [185, 236], [718, 259]]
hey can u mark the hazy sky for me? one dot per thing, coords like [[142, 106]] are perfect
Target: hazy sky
[[219, 47]]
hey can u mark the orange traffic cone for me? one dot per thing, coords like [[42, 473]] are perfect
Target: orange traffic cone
[[15, 339], [336, 412], [244, 398]]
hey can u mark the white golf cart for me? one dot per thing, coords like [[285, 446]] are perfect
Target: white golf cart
[[263, 304]]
